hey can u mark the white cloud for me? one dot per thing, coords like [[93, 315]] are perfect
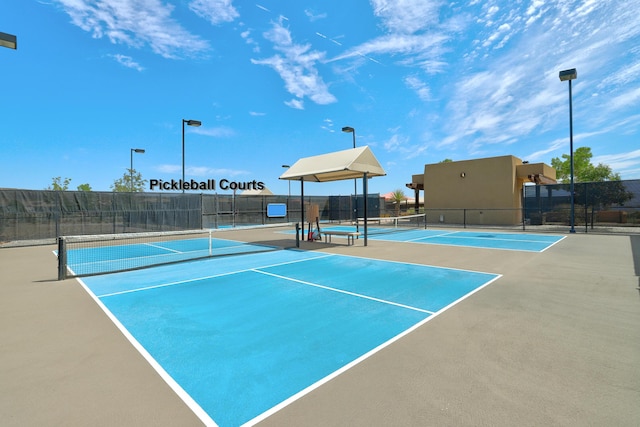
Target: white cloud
[[298, 104], [135, 23], [313, 16], [421, 88], [620, 161], [407, 16], [169, 168], [217, 132], [423, 50], [296, 65], [625, 100], [396, 142], [215, 11], [199, 171], [256, 114], [127, 61]]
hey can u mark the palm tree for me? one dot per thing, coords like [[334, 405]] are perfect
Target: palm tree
[[398, 197]]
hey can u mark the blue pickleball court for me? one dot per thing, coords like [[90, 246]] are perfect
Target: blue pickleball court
[[243, 335], [527, 242]]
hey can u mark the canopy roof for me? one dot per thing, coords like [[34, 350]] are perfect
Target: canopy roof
[[336, 166]]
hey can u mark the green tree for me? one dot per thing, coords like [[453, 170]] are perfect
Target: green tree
[[84, 187], [57, 184], [607, 189], [398, 196], [446, 161], [583, 169], [131, 181]]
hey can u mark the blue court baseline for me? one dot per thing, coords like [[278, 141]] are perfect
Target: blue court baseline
[[244, 336]]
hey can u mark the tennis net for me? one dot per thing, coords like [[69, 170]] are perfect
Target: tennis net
[[382, 225], [99, 254]]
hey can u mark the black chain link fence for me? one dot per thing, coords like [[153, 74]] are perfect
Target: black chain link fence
[[33, 215]]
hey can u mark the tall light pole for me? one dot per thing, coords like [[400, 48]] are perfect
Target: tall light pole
[[349, 129], [289, 196], [8, 40], [570, 75], [133, 150], [195, 123]]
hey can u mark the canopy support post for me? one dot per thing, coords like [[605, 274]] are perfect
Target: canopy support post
[[364, 190]]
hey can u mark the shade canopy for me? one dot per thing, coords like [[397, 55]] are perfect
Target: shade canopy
[[339, 165]]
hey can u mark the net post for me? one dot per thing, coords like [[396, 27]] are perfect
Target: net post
[[62, 258], [210, 243]]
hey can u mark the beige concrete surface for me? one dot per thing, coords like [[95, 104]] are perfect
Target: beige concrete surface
[[555, 341]]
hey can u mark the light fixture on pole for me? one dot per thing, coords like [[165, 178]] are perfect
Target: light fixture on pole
[[195, 123], [133, 150], [349, 129], [8, 40], [570, 75], [289, 196]]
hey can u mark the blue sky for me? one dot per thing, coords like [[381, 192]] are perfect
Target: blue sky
[[275, 81]]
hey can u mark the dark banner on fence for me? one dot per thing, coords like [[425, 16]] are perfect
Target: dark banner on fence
[[44, 214]]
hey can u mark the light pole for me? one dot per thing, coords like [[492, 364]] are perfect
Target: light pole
[[133, 150], [289, 196], [195, 123], [570, 75], [8, 40], [349, 129]]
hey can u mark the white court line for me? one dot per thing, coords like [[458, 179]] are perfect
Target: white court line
[[291, 279], [182, 394], [492, 239], [431, 237], [196, 279], [370, 353], [554, 243], [163, 248], [415, 263]]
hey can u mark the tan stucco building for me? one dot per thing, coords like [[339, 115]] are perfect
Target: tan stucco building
[[482, 191]]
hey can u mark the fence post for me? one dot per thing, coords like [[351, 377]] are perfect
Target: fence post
[[62, 258]]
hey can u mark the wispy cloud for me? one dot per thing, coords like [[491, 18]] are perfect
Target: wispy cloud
[[256, 114], [328, 125], [200, 171], [424, 50], [215, 11], [407, 16], [314, 16], [136, 24], [518, 96], [296, 65], [620, 161], [217, 132], [127, 61], [297, 104], [420, 87]]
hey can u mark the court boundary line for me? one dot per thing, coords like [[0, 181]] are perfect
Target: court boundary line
[[164, 375], [468, 246], [421, 265], [202, 414], [213, 276], [342, 291], [360, 359], [163, 248], [554, 243]]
